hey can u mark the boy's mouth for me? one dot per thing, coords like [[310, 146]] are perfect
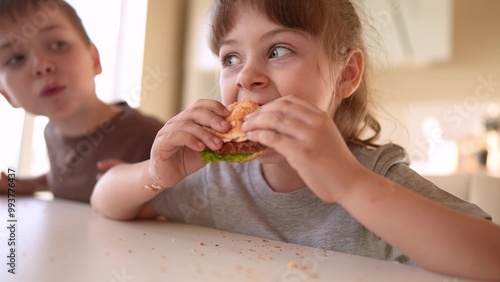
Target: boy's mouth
[[51, 90]]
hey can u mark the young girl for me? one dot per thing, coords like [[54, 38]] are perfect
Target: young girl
[[321, 184]]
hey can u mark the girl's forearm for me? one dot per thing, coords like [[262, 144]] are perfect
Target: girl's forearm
[[434, 236], [120, 194]]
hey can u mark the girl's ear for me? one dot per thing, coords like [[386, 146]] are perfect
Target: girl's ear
[[351, 73], [96, 59]]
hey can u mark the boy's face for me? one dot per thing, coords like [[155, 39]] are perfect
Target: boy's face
[[45, 66]]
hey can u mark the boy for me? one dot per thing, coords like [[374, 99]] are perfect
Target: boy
[[47, 66]]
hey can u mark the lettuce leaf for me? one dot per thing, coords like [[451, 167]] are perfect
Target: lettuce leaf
[[209, 156]]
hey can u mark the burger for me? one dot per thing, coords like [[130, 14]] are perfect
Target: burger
[[236, 147]]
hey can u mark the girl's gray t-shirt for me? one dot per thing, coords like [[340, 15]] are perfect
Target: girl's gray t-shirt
[[236, 198]]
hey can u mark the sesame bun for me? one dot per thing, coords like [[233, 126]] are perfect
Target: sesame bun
[[236, 147], [239, 110]]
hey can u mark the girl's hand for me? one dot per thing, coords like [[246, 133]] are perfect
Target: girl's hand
[[309, 140], [177, 146]]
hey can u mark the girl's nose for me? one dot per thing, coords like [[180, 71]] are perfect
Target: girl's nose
[[252, 77]]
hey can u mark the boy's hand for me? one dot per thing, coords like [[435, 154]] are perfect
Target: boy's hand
[[177, 146], [22, 186], [106, 164], [4, 183]]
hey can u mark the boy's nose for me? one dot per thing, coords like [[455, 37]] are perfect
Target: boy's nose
[[44, 70], [42, 66], [252, 77]]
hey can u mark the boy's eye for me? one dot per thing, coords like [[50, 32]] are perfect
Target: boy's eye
[[279, 52], [57, 45], [231, 60], [14, 60]]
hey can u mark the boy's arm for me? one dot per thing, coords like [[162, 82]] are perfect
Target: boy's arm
[[120, 194], [24, 186]]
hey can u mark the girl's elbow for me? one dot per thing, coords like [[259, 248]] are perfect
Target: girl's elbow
[[113, 214], [108, 210], [103, 208]]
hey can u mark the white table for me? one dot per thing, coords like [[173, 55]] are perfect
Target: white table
[[67, 241]]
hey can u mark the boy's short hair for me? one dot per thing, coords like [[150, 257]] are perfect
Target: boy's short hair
[[15, 9]]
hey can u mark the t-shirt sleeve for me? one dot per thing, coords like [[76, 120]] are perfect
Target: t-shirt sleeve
[[406, 177], [392, 162]]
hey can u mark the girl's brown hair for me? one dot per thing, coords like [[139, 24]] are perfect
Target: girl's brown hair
[[339, 27]]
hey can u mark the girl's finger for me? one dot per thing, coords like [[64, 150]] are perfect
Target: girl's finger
[[206, 113], [187, 134]]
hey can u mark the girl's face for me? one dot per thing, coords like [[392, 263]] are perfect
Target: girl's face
[[263, 61], [49, 70]]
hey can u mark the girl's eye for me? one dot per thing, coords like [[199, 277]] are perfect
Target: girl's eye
[[279, 52], [230, 61]]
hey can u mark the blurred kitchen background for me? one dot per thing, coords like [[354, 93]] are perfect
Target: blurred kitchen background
[[436, 75]]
